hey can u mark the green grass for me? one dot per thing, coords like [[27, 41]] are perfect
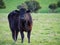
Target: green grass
[[45, 31], [12, 5]]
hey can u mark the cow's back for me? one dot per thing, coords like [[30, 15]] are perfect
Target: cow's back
[[13, 19]]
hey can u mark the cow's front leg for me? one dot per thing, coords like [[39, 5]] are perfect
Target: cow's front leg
[[28, 36], [22, 36]]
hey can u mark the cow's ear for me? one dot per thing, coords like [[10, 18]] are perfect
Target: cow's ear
[[28, 11]]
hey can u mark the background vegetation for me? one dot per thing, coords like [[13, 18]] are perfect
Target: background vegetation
[[12, 5], [2, 4]]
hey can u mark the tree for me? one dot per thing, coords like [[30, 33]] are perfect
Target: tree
[[53, 7], [33, 5], [2, 4], [58, 3], [23, 5]]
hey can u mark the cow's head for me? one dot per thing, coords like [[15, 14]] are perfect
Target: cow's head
[[23, 11]]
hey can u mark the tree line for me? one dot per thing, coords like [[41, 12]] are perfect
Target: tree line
[[32, 5]]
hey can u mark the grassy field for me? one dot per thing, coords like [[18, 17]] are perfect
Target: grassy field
[[46, 30], [12, 5]]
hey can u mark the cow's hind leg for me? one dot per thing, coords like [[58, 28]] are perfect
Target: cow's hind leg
[[14, 35], [22, 36], [28, 36]]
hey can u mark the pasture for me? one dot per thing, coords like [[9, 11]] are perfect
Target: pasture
[[45, 31]]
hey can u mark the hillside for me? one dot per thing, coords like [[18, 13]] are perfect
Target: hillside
[[12, 4]]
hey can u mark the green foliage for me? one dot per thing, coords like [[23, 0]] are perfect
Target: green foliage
[[33, 5], [2, 4], [23, 5], [11, 5], [58, 3], [53, 6]]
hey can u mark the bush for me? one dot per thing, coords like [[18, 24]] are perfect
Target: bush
[[23, 5], [2, 5], [53, 6], [33, 6], [58, 3]]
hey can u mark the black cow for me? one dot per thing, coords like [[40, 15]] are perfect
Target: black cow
[[20, 21]]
